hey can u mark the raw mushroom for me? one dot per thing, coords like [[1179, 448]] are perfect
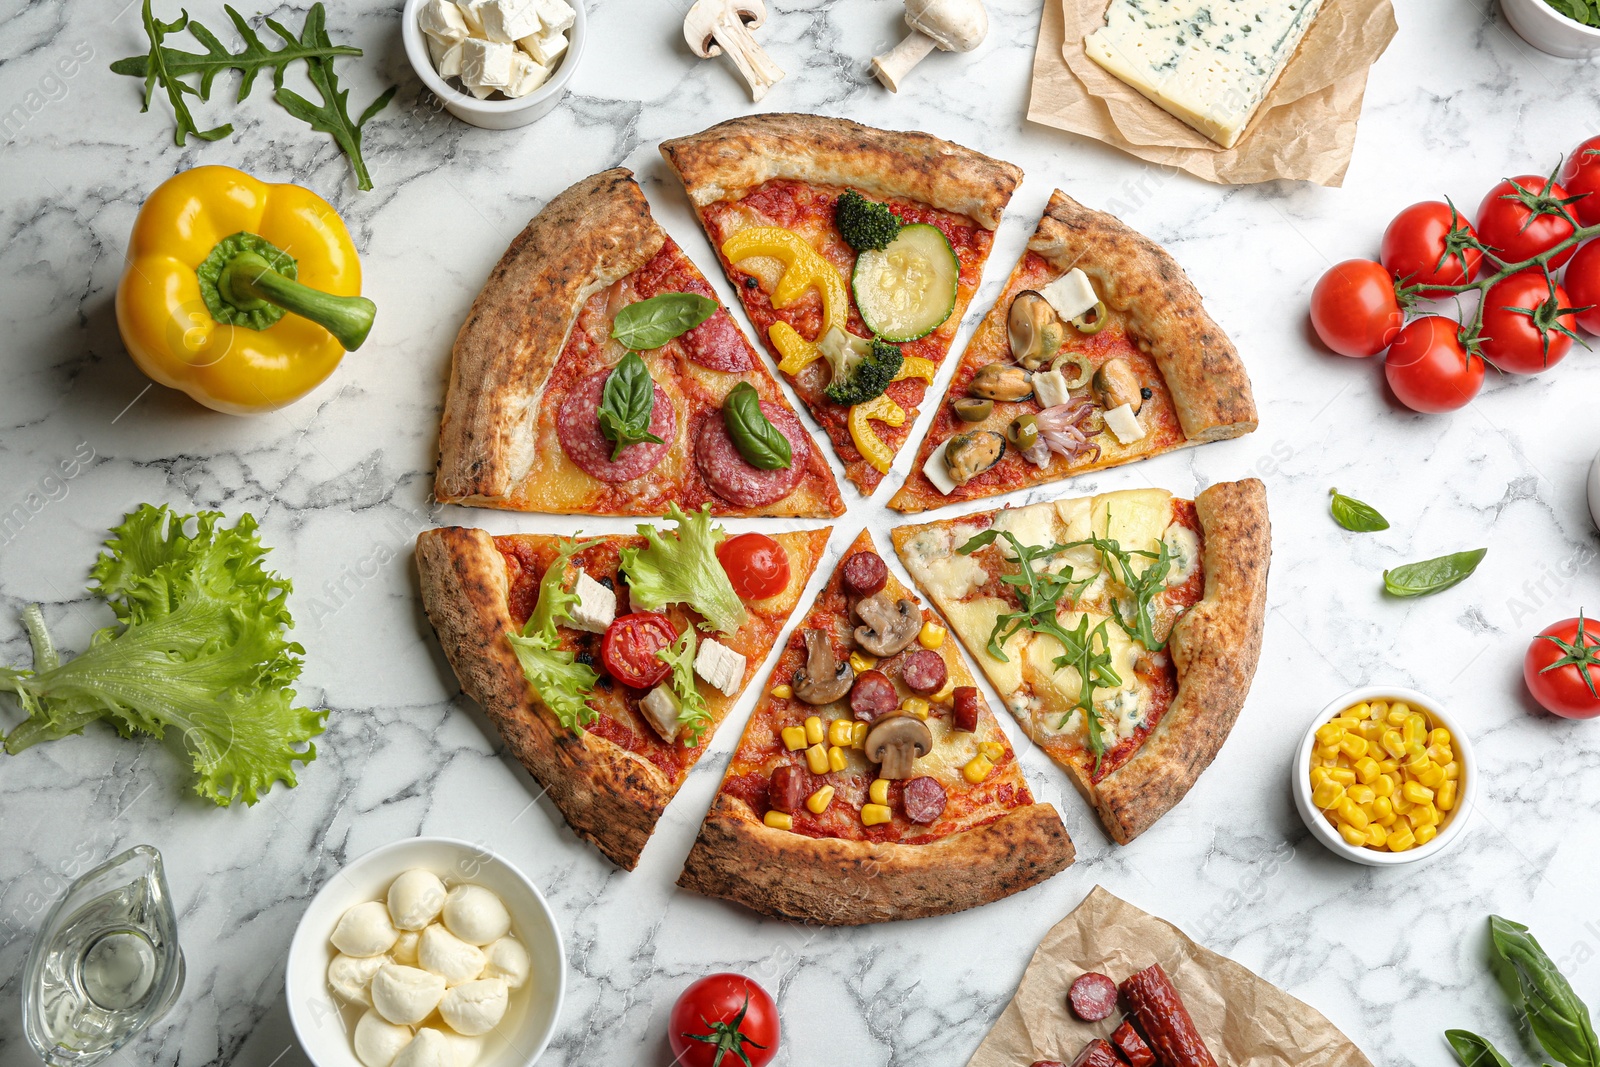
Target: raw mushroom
[[824, 678], [948, 25], [891, 624], [716, 26], [895, 743]]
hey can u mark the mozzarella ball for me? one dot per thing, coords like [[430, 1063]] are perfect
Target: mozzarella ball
[[429, 1048], [506, 960], [379, 1041], [474, 1008], [445, 954], [415, 899], [475, 915], [404, 951], [349, 976], [405, 995], [365, 930]]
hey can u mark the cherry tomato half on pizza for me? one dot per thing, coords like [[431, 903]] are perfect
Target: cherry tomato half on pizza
[[629, 648], [723, 1020], [1562, 668], [757, 566]]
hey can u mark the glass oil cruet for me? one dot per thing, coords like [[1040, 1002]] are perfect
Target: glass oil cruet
[[106, 965]]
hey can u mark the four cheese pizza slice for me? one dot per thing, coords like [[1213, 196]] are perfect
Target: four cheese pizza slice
[[1097, 353], [597, 374], [872, 781], [1122, 630], [588, 655], [855, 252]]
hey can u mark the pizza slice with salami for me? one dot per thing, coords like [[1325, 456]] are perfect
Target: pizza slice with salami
[[607, 663], [1098, 353], [598, 374], [1121, 630], [855, 252], [872, 781]]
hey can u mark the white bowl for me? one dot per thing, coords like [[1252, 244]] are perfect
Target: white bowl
[[1549, 30], [1323, 831], [493, 114], [325, 1024]]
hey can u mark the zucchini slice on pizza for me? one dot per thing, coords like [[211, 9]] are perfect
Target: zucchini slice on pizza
[[597, 374], [872, 781], [607, 663], [1097, 353], [855, 252], [1122, 630]]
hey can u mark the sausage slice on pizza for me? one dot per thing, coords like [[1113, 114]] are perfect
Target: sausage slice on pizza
[[1122, 630]]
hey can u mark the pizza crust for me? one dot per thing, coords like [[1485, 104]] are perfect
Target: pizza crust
[[832, 882], [728, 160]]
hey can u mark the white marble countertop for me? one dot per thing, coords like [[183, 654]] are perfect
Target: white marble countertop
[[340, 485]]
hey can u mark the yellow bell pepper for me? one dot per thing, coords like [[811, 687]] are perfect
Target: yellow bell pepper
[[917, 367], [244, 295], [803, 269], [871, 446]]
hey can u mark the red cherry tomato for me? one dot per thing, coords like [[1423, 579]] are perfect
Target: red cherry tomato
[[1560, 669], [1515, 231], [1580, 174], [1354, 309], [1428, 368], [757, 566], [629, 648], [1582, 283], [1419, 249], [1512, 339], [725, 1020]]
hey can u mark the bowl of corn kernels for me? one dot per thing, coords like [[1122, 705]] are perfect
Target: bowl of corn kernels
[[1385, 776]]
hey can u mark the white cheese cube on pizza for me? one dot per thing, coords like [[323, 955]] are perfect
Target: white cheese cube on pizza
[[1124, 423], [938, 473], [660, 707], [527, 75], [557, 16], [1050, 388], [1071, 294], [506, 20], [720, 666], [446, 57], [443, 21], [546, 47], [596, 606], [486, 65]]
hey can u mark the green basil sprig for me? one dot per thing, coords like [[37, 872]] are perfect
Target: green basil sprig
[[626, 404], [651, 323], [1474, 1051], [1432, 575], [1355, 515], [761, 444], [1556, 1016]]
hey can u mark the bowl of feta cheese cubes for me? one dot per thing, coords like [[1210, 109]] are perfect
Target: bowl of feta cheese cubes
[[498, 64], [428, 952]]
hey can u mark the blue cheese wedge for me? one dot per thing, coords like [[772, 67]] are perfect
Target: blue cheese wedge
[[1210, 63], [596, 606], [720, 666]]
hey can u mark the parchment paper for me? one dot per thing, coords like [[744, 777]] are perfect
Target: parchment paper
[[1305, 129], [1245, 1020]]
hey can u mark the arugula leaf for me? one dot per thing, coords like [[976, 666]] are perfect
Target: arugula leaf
[[1432, 575], [1354, 515], [762, 444], [1558, 1019], [682, 568], [156, 73], [1474, 1051], [1144, 585], [199, 646], [333, 116], [694, 715], [626, 403], [560, 682], [647, 324]]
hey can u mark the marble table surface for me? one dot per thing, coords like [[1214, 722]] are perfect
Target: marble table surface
[[340, 484]]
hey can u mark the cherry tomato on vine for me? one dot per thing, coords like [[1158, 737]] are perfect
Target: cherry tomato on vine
[[1429, 369], [723, 1020], [1560, 669], [1580, 174], [1528, 340], [1582, 283], [1425, 245], [1354, 309], [757, 566], [1516, 231], [629, 648]]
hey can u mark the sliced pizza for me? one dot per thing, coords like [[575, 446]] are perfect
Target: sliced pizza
[[855, 252], [597, 374], [1122, 630], [1097, 353], [872, 781], [589, 659]]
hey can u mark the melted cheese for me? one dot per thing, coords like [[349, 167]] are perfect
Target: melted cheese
[[1057, 688], [1035, 524], [944, 573], [1135, 519], [973, 621], [1184, 547], [952, 750]]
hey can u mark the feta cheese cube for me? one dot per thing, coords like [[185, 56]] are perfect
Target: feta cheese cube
[[1124, 423], [442, 21], [1050, 388], [469, 14], [660, 707], [1071, 294], [596, 605], [556, 15], [527, 75], [486, 64], [505, 20], [446, 57], [720, 666], [545, 48]]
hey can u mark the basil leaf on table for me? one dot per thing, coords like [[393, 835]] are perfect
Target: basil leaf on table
[[1556, 1016], [1474, 1051], [1354, 515], [626, 404], [652, 323], [761, 444], [1433, 576]]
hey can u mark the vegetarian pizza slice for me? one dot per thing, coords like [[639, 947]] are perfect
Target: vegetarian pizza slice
[[1122, 630], [855, 252], [607, 663], [597, 374], [872, 782], [1097, 353]]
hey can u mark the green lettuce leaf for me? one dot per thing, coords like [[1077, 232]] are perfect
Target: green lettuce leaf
[[694, 715], [199, 647], [682, 568], [559, 682]]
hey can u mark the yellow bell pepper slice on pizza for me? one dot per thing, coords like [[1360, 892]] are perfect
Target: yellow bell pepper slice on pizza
[[803, 269]]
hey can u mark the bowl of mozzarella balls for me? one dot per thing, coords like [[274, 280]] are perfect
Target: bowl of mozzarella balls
[[429, 952], [498, 64]]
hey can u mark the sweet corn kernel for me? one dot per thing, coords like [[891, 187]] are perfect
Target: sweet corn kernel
[[1445, 800], [1361, 794], [1452, 770], [794, 738], [991, 750], [1416, 765], [977, 769], [1382, 809], [1362, 710], [1318, 776], [931, 635], [1393, 743], [841, 732], [878, 791], [1396, 717], [1417, 793], [1353, 745], [860, 661], [1388, 766], [836, 758], [1342, 775], [1383, 785], [1415, 731], [1401, 839], [1420, 816], [818, 802], [858, 734], [1372, 731], [814, 731], [1401, 804], [779, 820], [1426, 834], [946, 692], [1347, 720], [1376, 836], [1402, 707], [873, 814], [782, 692], [817, 759], [1380, 708], [1439, 736], [1433, 777], [1328, 752], [1441, 754], [1330, 733], [1350, 814], [1352, 836], [1415, 749], [915, 707], [1366, 769], [1327, 794]]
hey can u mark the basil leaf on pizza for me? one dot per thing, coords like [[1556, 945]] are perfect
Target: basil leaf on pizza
[[758, 441], [626, 404], [652, 323]]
